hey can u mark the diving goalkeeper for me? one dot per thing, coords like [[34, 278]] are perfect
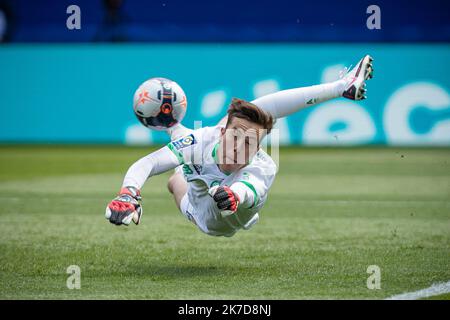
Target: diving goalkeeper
[[222, 177]]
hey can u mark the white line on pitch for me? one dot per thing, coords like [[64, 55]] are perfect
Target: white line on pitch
[[434, 290]]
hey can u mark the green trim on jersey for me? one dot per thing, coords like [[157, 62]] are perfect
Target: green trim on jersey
[[214, 153], [248, 184], [214, 183], [177, 153], [187, 170]]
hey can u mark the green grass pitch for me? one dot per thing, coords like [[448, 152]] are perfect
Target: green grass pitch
[[330, 214]]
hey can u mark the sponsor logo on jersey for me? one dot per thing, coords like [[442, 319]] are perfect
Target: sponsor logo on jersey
[[197, 168], [184, 142]]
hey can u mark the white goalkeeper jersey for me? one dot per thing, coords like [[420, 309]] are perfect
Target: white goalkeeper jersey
[[197, 153]]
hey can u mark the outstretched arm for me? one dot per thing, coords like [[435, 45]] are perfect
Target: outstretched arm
[[126, 207], [153, 164]]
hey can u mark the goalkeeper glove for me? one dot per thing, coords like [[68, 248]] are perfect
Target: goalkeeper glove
[[226, 200], [126, 207]]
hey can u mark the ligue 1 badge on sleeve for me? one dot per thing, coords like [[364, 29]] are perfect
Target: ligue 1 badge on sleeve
[[184, 142]]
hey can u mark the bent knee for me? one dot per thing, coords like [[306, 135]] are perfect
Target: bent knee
[[174, 182], [171, 183]]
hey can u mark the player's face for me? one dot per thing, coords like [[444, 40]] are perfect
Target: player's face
[[239, 143]]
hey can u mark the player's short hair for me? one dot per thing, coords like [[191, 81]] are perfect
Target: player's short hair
[[240, 108]]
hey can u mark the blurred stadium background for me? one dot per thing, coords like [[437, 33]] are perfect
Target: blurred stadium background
[[61, 85], [333, 211]]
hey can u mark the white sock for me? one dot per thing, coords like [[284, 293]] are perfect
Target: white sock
[[286, 102]]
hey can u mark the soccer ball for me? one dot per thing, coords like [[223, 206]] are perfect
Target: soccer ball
[[159, 103]]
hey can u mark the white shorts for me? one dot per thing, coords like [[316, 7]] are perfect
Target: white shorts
[[189, 212], [199, 218], [187, 209]]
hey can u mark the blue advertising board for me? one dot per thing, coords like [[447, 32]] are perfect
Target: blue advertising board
[[83, 93]]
